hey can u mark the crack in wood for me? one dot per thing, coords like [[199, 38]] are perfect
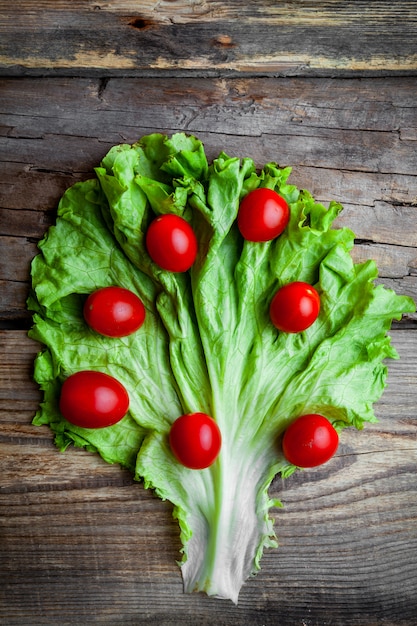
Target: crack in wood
[[102, 85]]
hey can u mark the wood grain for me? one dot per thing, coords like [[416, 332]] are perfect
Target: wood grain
[[285, 38], [344, 145], [102, 545], [80, 542]]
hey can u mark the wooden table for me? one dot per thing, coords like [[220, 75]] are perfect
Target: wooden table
[[327, 87]]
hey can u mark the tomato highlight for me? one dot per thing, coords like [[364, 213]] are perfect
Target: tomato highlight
[[295, 307], [195, 440], [310, 440], [263, 215], [171, 243], [114, 311], [93, 399]]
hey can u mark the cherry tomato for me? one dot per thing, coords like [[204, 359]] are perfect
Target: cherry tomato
[[171, 243], [309, 441], [93, 400], [295, 307], [114, 311], [263, 215], [195, 440]]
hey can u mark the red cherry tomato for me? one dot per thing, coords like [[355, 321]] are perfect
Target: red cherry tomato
[[171, 243], [114, 311], [195, 440], [93, 399], [263, 215], [309, 441], [295, 307]]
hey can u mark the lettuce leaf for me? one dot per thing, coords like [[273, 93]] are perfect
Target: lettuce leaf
[[207, 343]]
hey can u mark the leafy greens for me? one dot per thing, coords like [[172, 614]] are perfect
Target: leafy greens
[[207, 343]]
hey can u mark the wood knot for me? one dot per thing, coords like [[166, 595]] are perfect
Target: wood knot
[[224, 41], [141, 23]]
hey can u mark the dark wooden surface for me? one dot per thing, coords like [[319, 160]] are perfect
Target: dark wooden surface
[[296, 37], [327, 87]]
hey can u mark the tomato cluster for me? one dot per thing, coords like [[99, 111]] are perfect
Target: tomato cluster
[[263, 215], [89, 398], [92, 399]]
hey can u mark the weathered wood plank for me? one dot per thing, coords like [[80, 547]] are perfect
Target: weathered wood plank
[[394, 262], [397, 269], [379, 104], [15, 263], [295, 37], [18, 352], [336, 149], [347, 529], [80, 540], [356, 126], [344, 144], [26, 186]]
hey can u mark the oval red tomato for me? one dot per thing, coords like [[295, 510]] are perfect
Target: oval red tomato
[[263, 215], [114, 311], [295, 307], [309, 441], [93, 400], [171, 243], [195, 440]]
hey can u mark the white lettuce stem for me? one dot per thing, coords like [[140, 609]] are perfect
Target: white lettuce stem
[[221, 553]]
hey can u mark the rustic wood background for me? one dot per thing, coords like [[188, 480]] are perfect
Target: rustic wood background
[[327, 87]]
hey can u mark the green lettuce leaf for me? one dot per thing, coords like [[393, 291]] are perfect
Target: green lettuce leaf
[[207, 343]]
